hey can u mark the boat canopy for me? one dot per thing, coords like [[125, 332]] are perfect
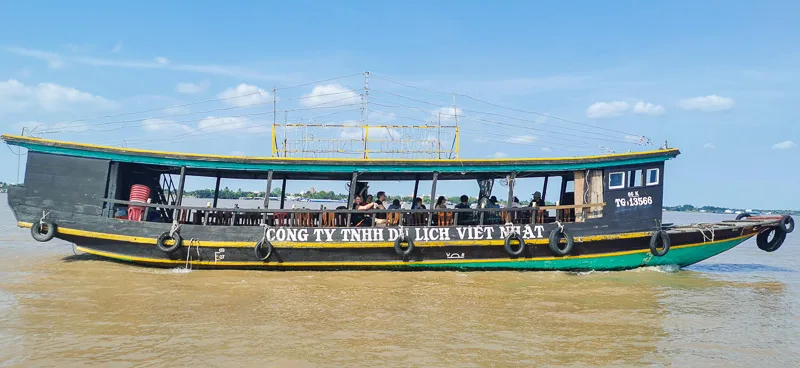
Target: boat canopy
[[246, 167]]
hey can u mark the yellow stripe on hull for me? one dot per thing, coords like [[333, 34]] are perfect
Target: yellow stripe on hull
[[231, 244]]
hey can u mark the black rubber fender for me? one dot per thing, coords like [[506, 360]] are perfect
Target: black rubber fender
[[742, 215], [763, 242], [263, 249], [398, 246], [665, 243], [787, 224], [38, 235], [555, 235], [176, 238], [521, 241]]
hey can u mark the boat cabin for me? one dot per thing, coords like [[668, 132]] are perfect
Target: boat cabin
[[603, 193]]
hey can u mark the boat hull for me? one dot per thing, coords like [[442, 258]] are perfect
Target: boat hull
[[678, 255], [600, 252]]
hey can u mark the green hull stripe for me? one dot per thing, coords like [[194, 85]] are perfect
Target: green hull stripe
[[681, 257], [227, 165]]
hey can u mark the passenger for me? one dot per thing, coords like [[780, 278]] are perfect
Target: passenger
[[441, 202], [515, 203], [537, 199], [464, 217], [380, 218], [360, 219], [417, 205], [395, 205], [369, 198], [492, 203]]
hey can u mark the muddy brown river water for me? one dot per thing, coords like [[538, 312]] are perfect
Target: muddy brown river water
[[739, 309]]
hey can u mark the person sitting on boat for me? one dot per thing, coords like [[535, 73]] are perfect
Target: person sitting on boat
[[464, 217], [417, 205], [395, 205], [369, 198], [360, 219], [380, 218], [537, 200], [494, 216]]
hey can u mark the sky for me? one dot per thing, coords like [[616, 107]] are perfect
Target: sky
[[717, 79]]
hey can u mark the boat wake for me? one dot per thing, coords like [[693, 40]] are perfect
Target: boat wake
[[660, 269]]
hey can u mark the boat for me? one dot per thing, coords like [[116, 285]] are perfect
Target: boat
[[608, 214]]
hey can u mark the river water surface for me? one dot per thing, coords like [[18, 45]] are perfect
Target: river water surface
[[739, 309]]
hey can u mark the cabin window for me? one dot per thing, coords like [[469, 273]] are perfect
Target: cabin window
[[635, 178], [616, 180], [652, 177]]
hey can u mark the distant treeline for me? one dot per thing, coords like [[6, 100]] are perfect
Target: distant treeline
[[228, 193], [714, 209]]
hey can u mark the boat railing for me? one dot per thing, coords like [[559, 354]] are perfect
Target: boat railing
[[333, 217]]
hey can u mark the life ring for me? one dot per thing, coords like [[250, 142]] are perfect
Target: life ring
[[763, 242], [263, 243], [176, 238], [555, 235], [398, 248], [665, 241], [787, 224], [36, 230], [742, 215], [521, 241]]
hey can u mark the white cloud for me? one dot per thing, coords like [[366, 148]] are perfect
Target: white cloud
[[706, 103], [117, 47], [383, 133], [546, 149], [522, 139], [447, 113], [245, 95], [784, 145], [646, 108], [156, 125], [15, 95], [162, 60], [356, 132], [607, 109], [37, 129], [55, 60], [498, 155], [330, 95], [224, 124], [192, 88], [709, 146]]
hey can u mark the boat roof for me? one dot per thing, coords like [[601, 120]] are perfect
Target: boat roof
[[335, 168]]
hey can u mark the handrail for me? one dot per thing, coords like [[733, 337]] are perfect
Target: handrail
[[345, 211]]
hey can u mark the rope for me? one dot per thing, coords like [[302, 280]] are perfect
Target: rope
[[560, 226], [196, 243], [703, 229]]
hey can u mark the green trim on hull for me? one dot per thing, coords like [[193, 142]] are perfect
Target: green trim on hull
[[679, 256], [300, 167]]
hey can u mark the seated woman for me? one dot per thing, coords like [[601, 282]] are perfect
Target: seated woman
[[360, 219]]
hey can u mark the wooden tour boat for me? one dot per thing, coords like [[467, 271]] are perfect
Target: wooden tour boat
[[611, 219]]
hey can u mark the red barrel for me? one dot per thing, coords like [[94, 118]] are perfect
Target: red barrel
[[140, 193]]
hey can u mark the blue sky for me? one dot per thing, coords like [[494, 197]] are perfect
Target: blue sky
[[717, 79]]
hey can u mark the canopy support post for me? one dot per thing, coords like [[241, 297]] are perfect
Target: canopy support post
[[433, 197], [216, 191], [351, 196], [266, 194], [283, 192], [511, 181]]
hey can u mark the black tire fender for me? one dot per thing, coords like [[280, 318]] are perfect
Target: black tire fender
[[176, 238], [263, 249], [555, 236], [665, 243], [742, 215], [521, 241], [763, 242], [787, 224], [38, 235], [398, 246]]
